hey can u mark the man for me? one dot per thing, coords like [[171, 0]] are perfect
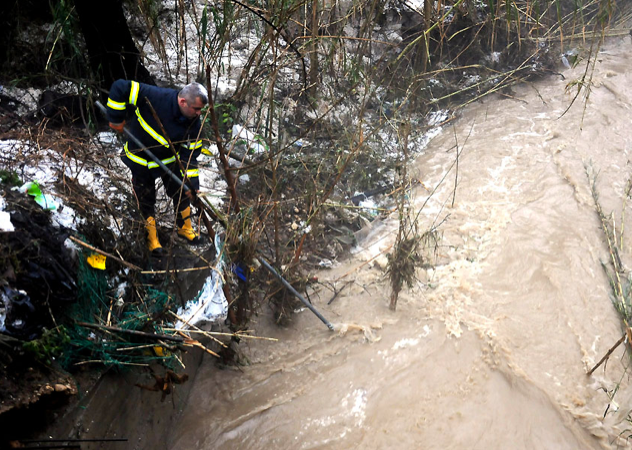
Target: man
[[178, 129]]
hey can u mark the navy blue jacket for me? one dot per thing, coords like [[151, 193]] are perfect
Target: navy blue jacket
[[182, 132]]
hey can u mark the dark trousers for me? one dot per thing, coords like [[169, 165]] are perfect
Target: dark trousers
[[144, 184]]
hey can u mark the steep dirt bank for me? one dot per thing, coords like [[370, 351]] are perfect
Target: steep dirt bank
[[111, 406]]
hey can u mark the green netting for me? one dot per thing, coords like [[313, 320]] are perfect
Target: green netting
[[111, 347]]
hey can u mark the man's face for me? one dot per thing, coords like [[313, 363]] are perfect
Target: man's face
[[190, 110]]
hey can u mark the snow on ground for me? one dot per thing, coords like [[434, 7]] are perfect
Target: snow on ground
[[41, 169]]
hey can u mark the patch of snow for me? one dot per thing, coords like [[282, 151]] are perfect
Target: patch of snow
[[370, 205], [74, 248], [5, 222], [27, 98], [472, 79], [494, 57], [66, 217], [5, 217]]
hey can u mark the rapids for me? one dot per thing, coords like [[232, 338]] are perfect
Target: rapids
[[492, 348]]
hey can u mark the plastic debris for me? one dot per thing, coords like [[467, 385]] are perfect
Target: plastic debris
[[5, 218], [254, 143], [33, 189], [97, 261], [210, 304], [240, 270], [16, 311]]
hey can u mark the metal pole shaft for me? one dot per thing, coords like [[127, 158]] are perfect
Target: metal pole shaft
[[290, 288]]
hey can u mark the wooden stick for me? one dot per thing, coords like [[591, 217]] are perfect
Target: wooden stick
[[197, 344], [217, 333], [612, 349], [100, 361], [190, 269], [109, 255], [134, 332], [136, 347], [197, 328]]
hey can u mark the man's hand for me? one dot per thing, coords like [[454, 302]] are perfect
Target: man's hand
[[118, 127], [190, 195]]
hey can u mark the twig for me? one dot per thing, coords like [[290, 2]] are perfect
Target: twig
[[217, 333], [109, 255], [135, 347], [195, 327], [612, 349], [100, 361], [230, 179], [190, 269], [33, 441], [197, 344], [336, 292], [134, 332]]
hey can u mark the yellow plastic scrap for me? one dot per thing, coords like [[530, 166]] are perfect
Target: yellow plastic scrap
[[160, 351], [97, 261]]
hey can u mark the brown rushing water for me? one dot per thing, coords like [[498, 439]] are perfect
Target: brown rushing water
[[489, 351], [492, 350]]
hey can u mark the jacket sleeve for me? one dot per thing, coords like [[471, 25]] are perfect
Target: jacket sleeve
[[122, 94], [118, 100]]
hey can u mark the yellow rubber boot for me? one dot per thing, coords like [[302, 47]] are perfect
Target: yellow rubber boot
[[186, 231], [153, 244]]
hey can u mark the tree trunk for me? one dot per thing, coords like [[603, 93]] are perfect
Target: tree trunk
[[111, 49]]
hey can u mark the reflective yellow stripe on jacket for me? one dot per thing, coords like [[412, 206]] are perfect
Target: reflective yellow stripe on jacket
[[143, 162], [133, 93], [119, 106], [151, 131], [194, 145]]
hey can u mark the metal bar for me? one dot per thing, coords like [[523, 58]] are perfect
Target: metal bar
[[290, 288]]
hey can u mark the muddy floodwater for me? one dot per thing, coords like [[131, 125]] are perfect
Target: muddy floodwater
[[491, 349]]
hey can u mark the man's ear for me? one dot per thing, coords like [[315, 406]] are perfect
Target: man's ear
[[182, 101]]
